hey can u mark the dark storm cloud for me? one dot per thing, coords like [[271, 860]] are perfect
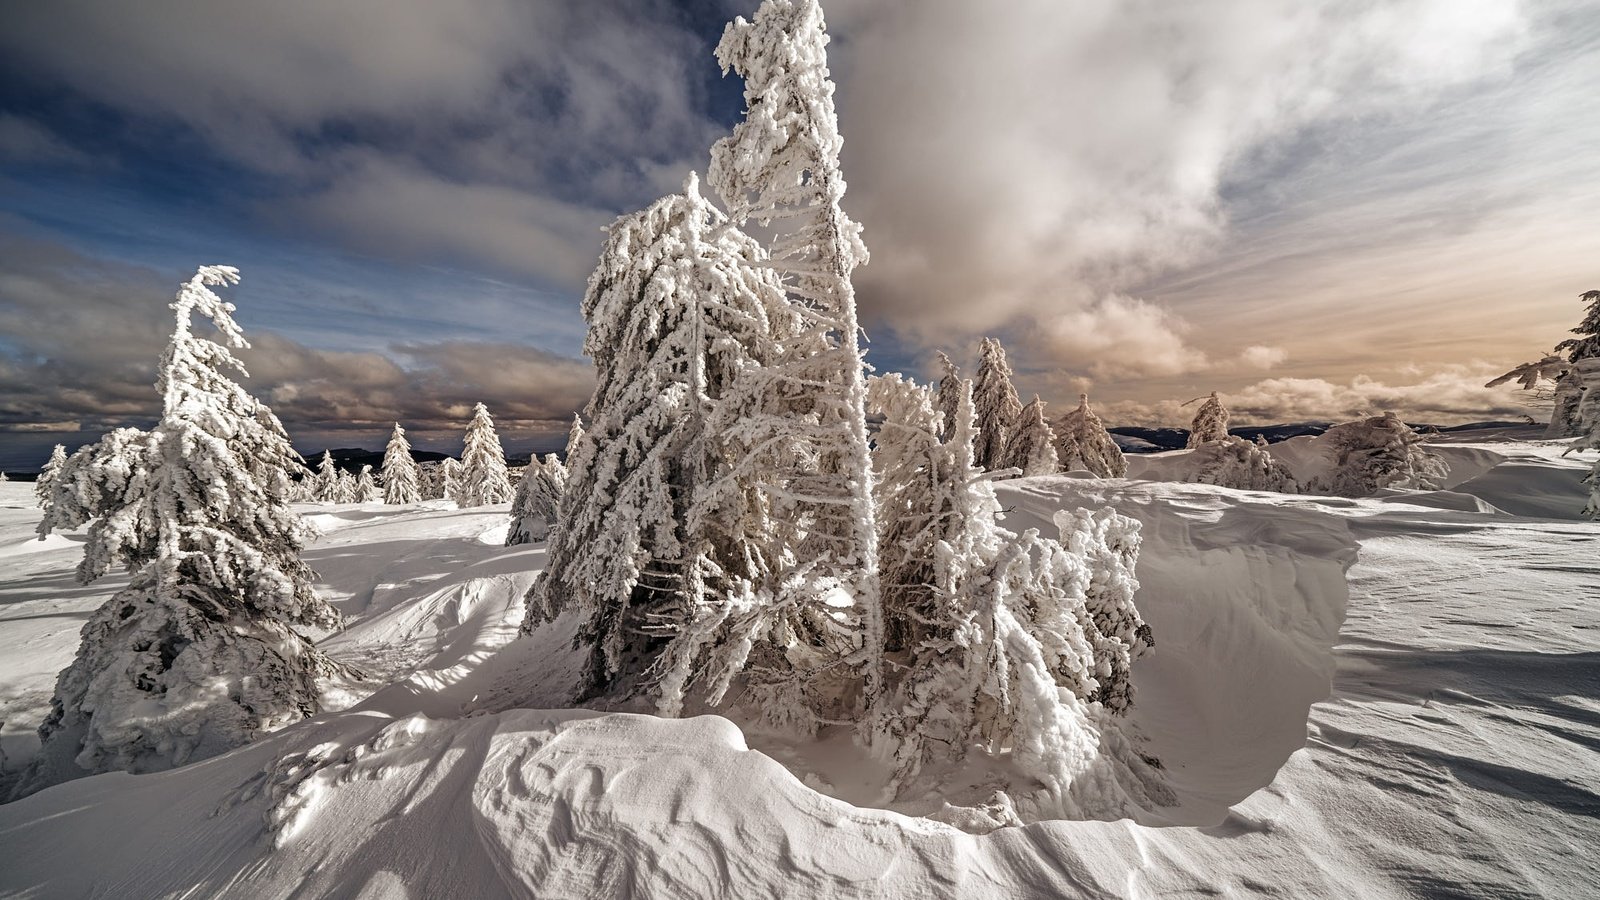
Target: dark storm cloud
[[82, 338]]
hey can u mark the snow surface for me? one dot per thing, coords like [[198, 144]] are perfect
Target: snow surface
[[1437, 735]]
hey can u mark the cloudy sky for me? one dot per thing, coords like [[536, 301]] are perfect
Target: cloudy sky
[[1318, 208]]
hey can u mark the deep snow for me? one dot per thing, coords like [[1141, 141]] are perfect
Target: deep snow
[[1438, 736]]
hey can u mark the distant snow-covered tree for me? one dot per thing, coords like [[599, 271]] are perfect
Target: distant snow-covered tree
[[780, 167], [344, 489], [366, 488], [47, 476], [326, 487], [199, 653], [1032, 446], [483, 479], [1372, 454], [537, 501], [949, 396], [1244, 465], [1082, 442], [402, 480], [447, 479], [1210, 422], [999, 408]]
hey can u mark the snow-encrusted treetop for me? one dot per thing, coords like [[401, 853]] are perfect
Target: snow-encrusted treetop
[[949, 396], [1210, 422], [1032, 446], [483, 478], [1082, 442], [1587, 342], [47, 475], [997, 404], [402, 480]]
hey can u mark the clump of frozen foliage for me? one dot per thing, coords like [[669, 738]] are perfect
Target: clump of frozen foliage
[[1210, 422], [402, 480], [1374, 454], [47, 477], [483, 479], [1082, 443], [997, 404], [1032, 445], [1244, 465], [1013, 645], [951, 386], [199, 653]]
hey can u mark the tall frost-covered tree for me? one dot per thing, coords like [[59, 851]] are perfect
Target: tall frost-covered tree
[[780, 167], [950, 390], [1376, 453], [47, 476], [447, 479], [997, 404], [1032, 446], [1082, 442], [680, 309], [1210, 422], [483, 478], [200, 652], [327, 480], [402, 480]]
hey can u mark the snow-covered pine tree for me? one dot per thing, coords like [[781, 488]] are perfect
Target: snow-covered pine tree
[[999, 408], [47, 476], [1082, 442], [988, 627], [483, 479], [366, 488], [537, 502], [1245, 465], [949, 395], [1032, 446], [402, 480], [344, 487], [680, 310], [1210, 422], [1372, 454], [780, 167], [447, 478], [326, 488], [199, 653]]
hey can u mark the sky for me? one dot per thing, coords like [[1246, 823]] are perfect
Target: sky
[[1319, 208]]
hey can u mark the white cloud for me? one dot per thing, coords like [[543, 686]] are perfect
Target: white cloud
[[1262, 357]]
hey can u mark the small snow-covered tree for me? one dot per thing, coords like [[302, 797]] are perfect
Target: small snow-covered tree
[[402, 480], [1082, 442], [344, 489], [447, 479], [949, 396], [780, 167], [1244, 465], [366, 488], [1372, 454], [326, 488], [1210, 422], [999, 408], [199, 653], [47, 476], [1032, 447], [537, 502], [483, 479]]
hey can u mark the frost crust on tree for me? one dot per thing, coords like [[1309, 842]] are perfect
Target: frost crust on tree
[[200, 653], [1210, 422], [1234, 462], [1373, 454], [47, 477], [1082, 443], [998, 407], [483, 479], [402, 480], [1560, 367], [1032, 445]]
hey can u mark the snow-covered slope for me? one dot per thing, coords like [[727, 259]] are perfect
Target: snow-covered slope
[[1444, 742]]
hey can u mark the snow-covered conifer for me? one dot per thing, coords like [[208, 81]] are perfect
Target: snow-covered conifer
[[1210, 422], [47, 476], [1372, 454], [447, 479], [1245, 465], [999, 408], [366, 488], [780, 167], [537, 502], [680, 310], [949, 395], [1559, 367], [199, 654], [344, 487], [1032, 446], [326, 487], [1082, 442], [483, 479], [402, 481]]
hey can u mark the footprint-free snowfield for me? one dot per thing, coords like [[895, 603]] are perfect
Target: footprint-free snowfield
[[1389, 697]]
